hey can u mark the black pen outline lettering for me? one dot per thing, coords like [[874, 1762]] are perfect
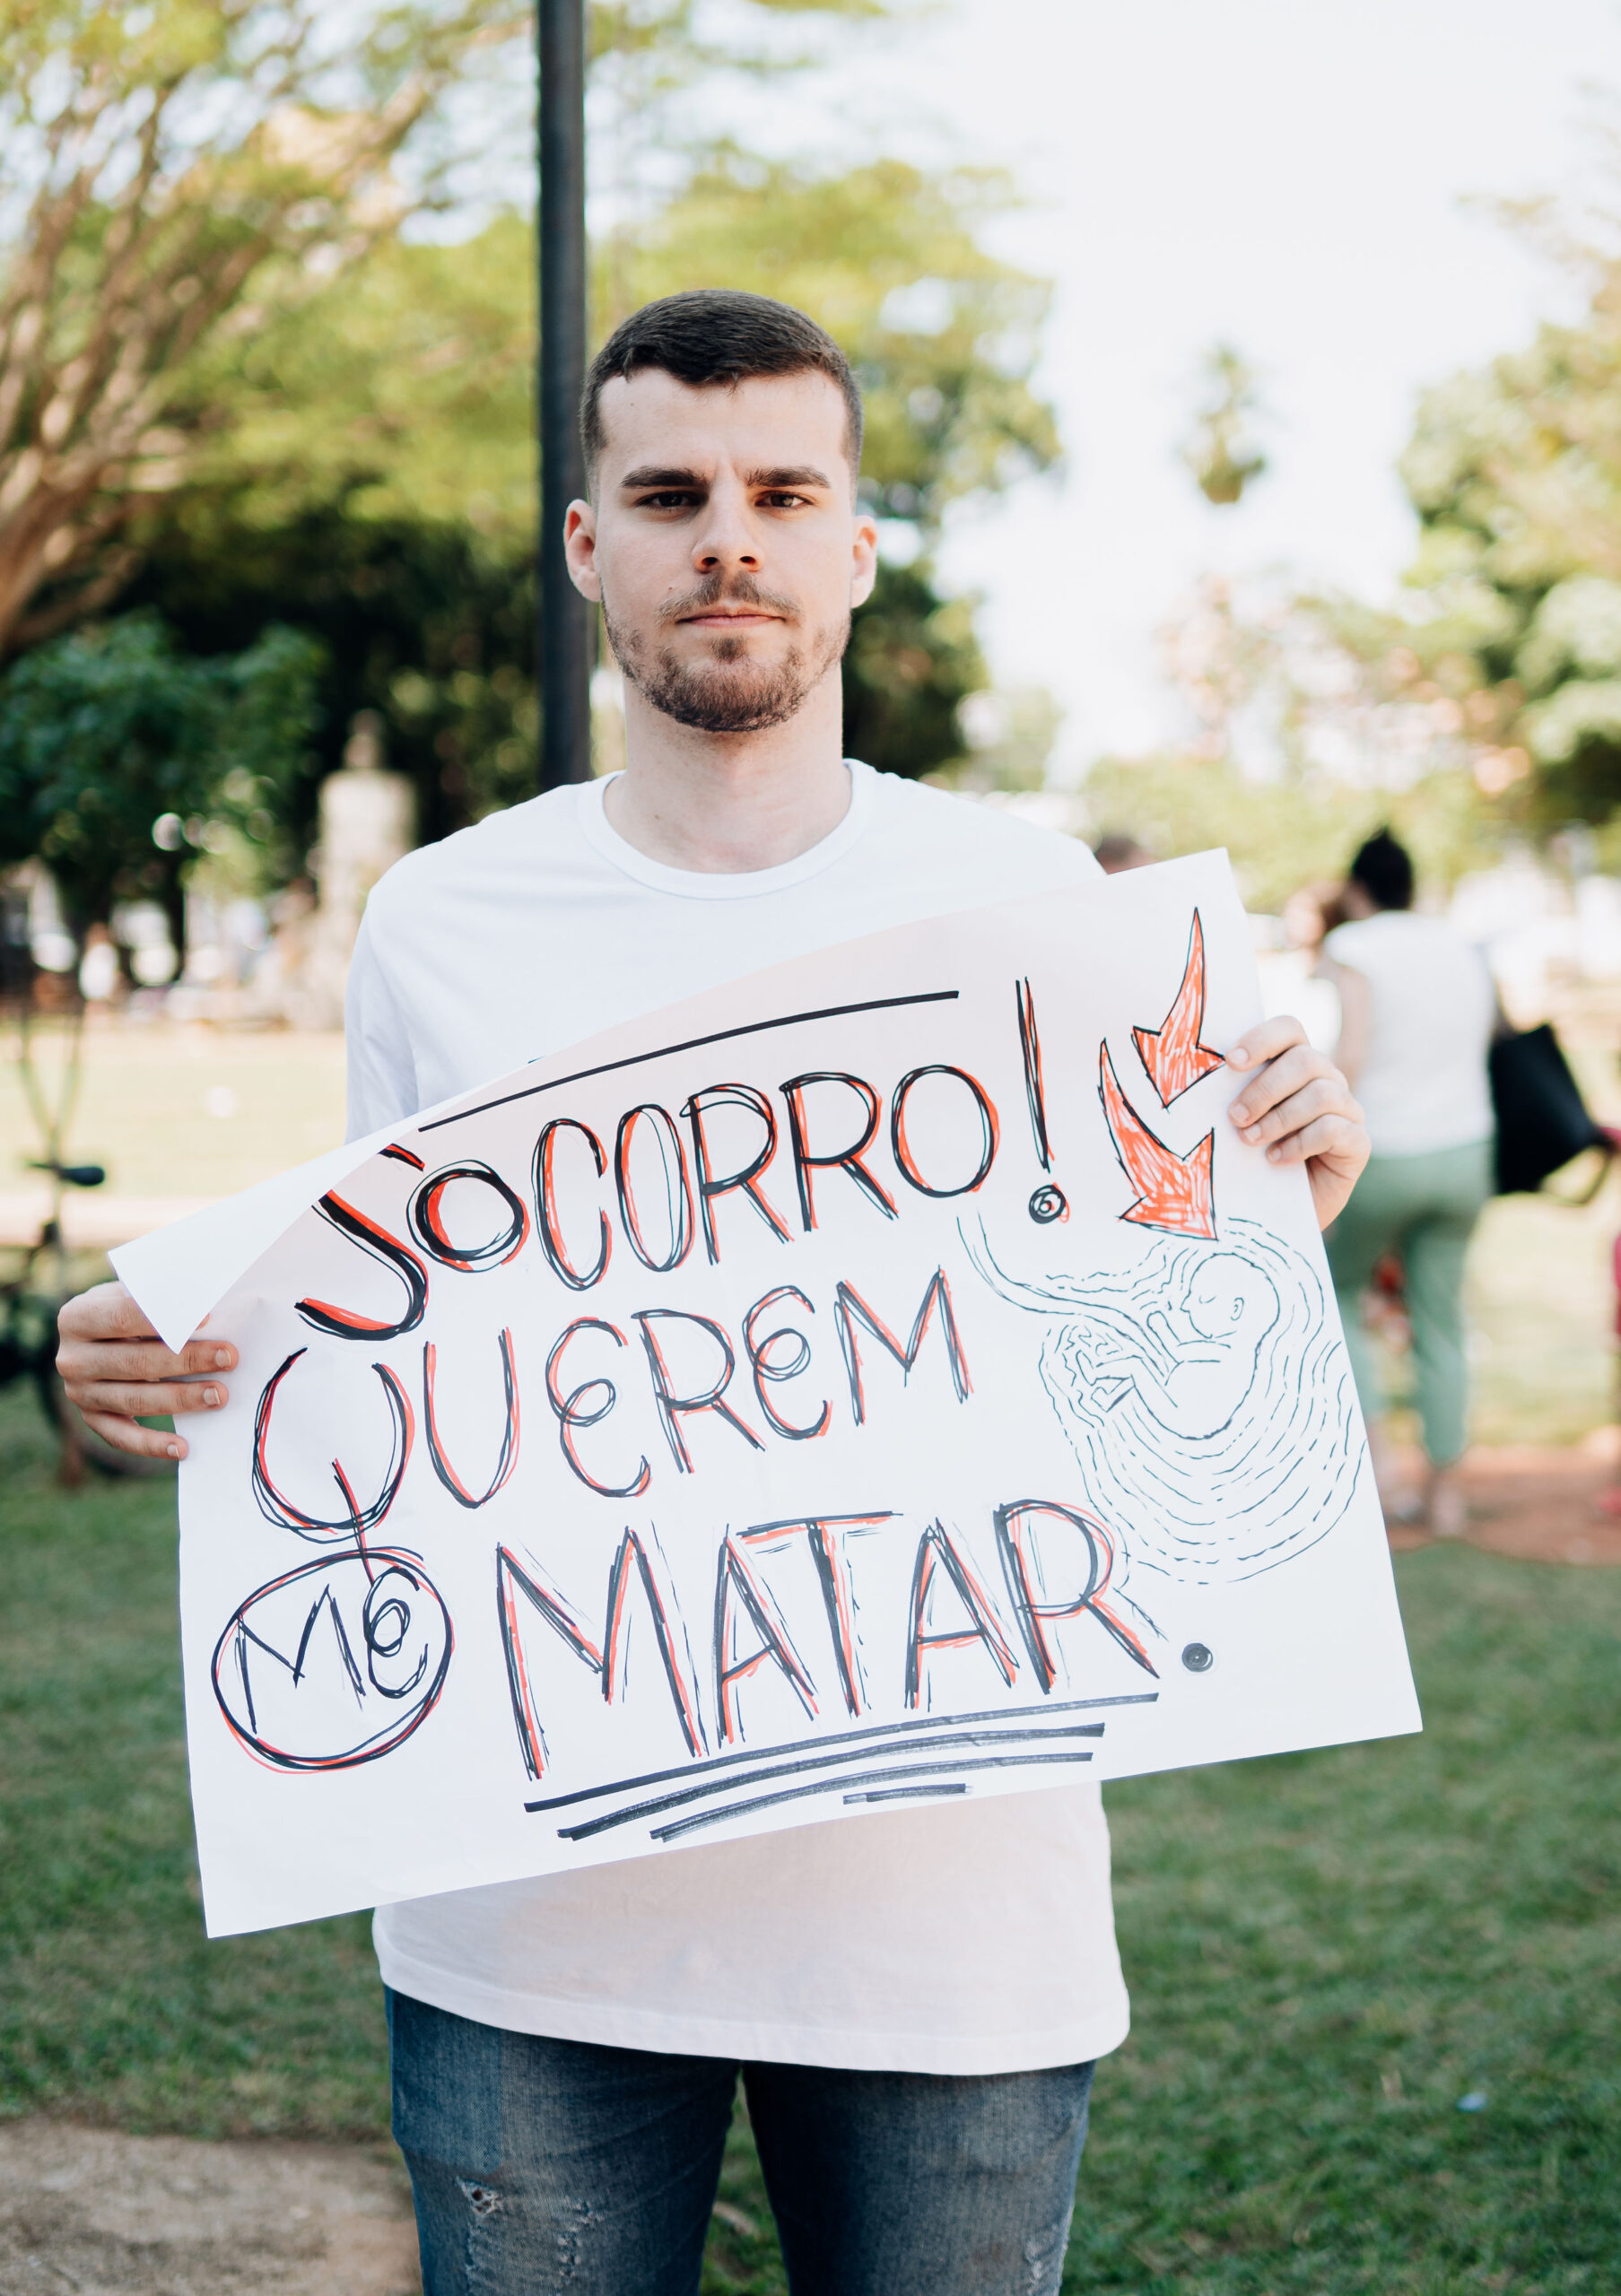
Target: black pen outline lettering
[[846, 1160], [679, 1207], [569, 1414], [906, 1163], [506, 1459], [356, 1519], [546, 1207], [343, 1322], [850, 1307], [763, 1371], [672, 1408], [936, 1550], [429, 1230]]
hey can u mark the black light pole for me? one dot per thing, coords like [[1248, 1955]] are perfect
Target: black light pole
[[564, 639]]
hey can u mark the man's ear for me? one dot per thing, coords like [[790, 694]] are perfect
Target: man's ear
[[580, 548], [865, 569]]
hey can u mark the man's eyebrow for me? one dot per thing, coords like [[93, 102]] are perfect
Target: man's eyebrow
[[651, 474], [778, 478], [794, 475]]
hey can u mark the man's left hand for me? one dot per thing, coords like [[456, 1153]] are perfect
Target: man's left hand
[[1297, 1105]]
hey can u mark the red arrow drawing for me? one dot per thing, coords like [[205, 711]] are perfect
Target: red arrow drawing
[[1172, 1191], [1172, 1054]]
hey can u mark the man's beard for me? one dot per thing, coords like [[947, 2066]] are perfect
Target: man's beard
[[716, 696]]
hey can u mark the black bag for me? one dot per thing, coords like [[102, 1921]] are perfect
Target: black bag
[[1542, 1119]]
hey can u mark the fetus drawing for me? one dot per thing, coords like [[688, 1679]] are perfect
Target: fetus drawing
[[1207, 1396], [1194, 1379]]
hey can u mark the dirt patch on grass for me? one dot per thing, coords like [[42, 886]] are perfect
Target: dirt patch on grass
[[88, 2209]]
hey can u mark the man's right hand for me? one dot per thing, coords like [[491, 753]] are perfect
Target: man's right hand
[[117, 1371]]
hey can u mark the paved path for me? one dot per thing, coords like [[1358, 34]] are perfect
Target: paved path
[[88, 2209], [1541, 1506], [92, 1222]]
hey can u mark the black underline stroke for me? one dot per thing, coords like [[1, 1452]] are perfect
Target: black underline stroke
[[909, 1793], [831, 1786], [775, 1769], [693, 1044], [840, 1738]]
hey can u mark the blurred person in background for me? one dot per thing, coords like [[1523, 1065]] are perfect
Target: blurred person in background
[[1119, 850], [1418, 1008], [1294, 978]]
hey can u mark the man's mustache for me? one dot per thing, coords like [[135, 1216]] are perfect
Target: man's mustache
[[735, 590]]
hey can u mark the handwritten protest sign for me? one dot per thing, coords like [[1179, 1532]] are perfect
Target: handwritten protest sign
[[887, 1379]]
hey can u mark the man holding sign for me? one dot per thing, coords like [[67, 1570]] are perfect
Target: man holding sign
[[916, 2000]]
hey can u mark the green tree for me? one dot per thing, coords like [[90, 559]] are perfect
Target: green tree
[[426, 621], [1515, 473], [913, 660], [266, 404], [159, 161], [402, 394], [122, 758]]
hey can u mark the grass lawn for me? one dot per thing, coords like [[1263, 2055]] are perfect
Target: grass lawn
[[182, 1110], [1326, 1951]]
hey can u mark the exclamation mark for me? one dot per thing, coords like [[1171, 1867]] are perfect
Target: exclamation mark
[[1047, 1203]]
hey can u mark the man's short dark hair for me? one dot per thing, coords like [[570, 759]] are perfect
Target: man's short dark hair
[[1384, 868], [716, 336]]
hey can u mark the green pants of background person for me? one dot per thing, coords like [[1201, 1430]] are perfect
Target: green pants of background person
[[1423, 1209]]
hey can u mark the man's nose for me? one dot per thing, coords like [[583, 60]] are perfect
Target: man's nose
[[726, 540]]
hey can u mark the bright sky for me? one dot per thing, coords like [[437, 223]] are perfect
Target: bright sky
[[1288, 174]]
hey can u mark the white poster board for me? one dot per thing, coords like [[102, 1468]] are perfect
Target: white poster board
[[886, 1379]]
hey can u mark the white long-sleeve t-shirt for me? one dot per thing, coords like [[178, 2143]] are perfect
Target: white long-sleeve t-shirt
[[972, 1937]]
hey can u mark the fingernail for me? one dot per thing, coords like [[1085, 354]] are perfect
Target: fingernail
[[1239, 1113], [174, 1450], [1253, 1136], [221, 1357], [1274, 1156], [210, 1397], [1238, 1057]]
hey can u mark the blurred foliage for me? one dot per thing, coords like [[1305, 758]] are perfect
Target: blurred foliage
[[350, 449], [403, 395], [642, 57], [1515, 473], [913, 659], [184, 178], [431, 624], [1305, 687], [1221, 451], [1286, 833], [1010, 732], [942, 334], [670, 33], [154, 163], [104, 732], [1313, 725]]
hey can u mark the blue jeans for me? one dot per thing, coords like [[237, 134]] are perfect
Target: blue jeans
[[544, 2165]]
